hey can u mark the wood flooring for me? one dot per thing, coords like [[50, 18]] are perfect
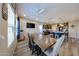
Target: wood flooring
[[68, 48]]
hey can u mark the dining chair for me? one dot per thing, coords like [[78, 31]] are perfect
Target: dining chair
[[34, 47], [30, 41]]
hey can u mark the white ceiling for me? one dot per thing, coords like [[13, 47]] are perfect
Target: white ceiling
[[53, 13]]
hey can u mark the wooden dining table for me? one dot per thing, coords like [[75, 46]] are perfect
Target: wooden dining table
[[44, 41]]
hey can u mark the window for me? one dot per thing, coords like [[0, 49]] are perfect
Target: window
[[11, 25]]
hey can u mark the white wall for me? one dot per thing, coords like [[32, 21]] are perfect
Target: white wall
[[3, 32], [29, 30], [74, 32]]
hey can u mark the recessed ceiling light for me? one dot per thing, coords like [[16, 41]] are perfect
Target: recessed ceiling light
[[24, 15]]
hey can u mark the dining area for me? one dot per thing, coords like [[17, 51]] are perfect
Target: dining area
[[46, 39], [45, 45]]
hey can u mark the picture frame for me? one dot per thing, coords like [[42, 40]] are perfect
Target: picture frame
[[4, 11]]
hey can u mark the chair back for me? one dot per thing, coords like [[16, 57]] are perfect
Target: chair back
[[54, 50], [57, 46], [30, 43]]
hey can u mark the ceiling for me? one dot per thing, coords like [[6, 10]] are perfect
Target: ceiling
[[52, 12]]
